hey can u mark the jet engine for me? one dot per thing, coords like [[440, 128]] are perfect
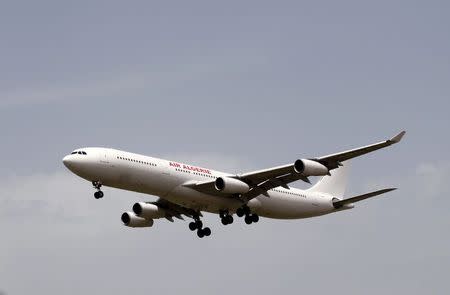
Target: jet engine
[[131, 220], [230, 185], [148, 211], [310, 168]]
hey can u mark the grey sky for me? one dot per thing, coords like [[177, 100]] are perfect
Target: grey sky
[[235, 85]]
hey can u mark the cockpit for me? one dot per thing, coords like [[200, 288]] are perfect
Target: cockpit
[[80, 160], [78, 152]]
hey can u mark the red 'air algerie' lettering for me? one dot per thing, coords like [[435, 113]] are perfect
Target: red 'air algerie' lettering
[[196, 169], [191, 168]]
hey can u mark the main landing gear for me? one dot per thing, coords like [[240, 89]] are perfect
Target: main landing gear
[[249, 217], [226, 217], [197, 224], [97, 185]]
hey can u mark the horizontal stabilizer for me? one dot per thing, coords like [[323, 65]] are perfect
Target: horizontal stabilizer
[[341, 203]]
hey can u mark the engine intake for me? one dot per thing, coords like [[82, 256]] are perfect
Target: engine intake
[[230, 185], [131, 220], [148, 211], [310, 168]]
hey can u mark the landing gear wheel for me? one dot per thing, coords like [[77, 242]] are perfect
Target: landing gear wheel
[[240, 212], [255, 218], [98, 195], [192, 226], [207, 231], [248, 219], [199, 224], [200, 233], [222, 213], [227, 219], [97, 185]]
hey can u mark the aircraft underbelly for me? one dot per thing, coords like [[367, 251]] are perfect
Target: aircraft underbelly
[[292, 208], [273, 207]]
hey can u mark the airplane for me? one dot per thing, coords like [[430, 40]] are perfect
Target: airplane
[[187, 190]]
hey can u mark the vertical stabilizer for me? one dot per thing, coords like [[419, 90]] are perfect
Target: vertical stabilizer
[[335, 184]]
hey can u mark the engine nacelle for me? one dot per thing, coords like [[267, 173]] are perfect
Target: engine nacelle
[[310, 168], [230, 185], [131, 220], [148, 211]]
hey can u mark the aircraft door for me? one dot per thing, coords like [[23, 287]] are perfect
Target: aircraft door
[[104, 157]]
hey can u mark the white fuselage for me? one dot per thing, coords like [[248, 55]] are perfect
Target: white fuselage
[[165, 179]]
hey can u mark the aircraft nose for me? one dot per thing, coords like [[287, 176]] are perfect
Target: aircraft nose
[[68, 161]]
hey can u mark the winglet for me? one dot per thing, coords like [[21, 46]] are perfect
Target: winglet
[[398, 137]]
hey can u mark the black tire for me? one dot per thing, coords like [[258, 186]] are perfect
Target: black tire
[[229, 219], [192, 226], [240, 212], [248, 219], [200, 233], [224, 221], [199, 224], [207, 231], [98, 195], [255, 218]]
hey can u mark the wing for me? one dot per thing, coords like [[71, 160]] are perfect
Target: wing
[[261, 181], [333, 161]]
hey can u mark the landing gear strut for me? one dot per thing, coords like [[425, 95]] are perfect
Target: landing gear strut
[[197, 224], [97, 185], [249, 217], [226, 217]]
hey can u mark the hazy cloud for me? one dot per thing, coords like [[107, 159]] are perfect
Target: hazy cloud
[[432, 179]]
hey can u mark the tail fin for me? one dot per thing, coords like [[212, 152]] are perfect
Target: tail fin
[[334, 184]]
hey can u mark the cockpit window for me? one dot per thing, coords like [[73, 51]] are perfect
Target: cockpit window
[[78, 152]]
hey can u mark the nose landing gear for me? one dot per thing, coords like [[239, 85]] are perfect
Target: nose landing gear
[[97, 185]]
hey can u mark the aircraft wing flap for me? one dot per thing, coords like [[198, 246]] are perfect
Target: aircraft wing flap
[[259, 176]]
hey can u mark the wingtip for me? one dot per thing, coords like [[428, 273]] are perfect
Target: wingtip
[[398, 137], [391, 189]]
